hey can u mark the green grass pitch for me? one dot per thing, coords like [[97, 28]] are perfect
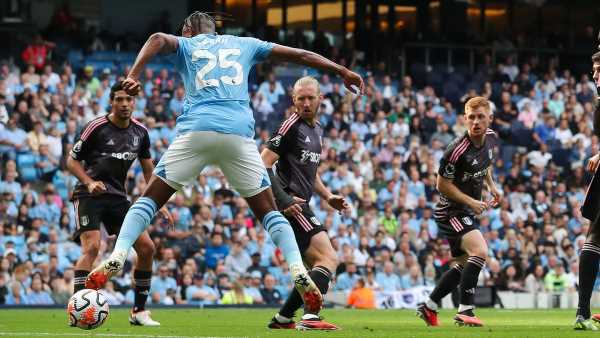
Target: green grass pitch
[[252, 323]]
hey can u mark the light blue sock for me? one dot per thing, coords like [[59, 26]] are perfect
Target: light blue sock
[[282, 234], [138, 218]]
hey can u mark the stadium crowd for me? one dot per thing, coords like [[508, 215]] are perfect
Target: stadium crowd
[[381, 151]]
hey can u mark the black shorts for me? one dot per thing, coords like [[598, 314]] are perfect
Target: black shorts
[[305, 227], [454, 228], [109, 210], [593, 234]]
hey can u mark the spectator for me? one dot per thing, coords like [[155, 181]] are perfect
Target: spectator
[[270, 295], [36, 137], [236, 295], [238, 261], [201, 294], [387, 279], [216, 251], [347, 279], [271, 89], [161, 283], [556, 280], [37, 295], [361, 297], [252, 286], [36, 53]]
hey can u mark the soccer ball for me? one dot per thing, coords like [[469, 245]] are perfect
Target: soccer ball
[[87, 309]]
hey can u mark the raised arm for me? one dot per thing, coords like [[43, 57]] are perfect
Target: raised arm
[[156, 43], [314, 60]]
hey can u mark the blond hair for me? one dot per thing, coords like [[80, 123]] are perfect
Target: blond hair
[[307, 81], [477, 102]]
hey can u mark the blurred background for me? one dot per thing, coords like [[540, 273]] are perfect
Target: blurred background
[[421, 60]]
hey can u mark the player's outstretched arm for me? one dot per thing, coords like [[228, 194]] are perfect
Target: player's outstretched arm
[[156, 43], [335, 201], [314, 60], [446, 187]]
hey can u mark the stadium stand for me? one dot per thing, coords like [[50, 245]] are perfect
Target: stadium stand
[[382, 155]]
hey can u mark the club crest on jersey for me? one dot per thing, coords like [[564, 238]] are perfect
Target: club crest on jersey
[[110, 142], [475, 162], [84, 220], [136, 141], [467, 221], [276, 140], [307, 140]]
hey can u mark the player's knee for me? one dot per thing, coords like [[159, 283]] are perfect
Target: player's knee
[[480, 252], [90, 250], [332, 261], [146, 250]]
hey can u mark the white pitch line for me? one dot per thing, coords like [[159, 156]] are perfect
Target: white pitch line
[[47, 334]]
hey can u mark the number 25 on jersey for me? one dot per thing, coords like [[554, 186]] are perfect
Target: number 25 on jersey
[[222, 62]]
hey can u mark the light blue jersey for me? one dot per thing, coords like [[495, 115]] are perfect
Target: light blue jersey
[[214, 69]]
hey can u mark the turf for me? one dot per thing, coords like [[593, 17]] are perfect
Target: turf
[[252, 323]]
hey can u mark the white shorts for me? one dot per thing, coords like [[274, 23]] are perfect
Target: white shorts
[[236, 156]]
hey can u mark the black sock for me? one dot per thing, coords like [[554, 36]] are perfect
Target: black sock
[[588, 270], [449, 281], [141, 279], [79, 280], [321, 276], [468, 281]]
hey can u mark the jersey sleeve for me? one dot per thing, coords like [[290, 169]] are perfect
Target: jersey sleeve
[[83, 143], [145, 148], [261, 49], [278, 143], [451, 158]]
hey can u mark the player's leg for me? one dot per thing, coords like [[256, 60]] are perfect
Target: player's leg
[[321, 256], [245, 171], [142, 277], [475, 246], [88, 234], [428, 311], [90, 244], [284, 318], [182, 162], [588, 270]]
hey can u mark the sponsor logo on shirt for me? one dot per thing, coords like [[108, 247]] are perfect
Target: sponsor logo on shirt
[[307, 156], [126, 156]]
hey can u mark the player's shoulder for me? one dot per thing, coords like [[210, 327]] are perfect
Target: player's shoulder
[[92, 126], [457, 148], [291, 123], [136, 124], [491, 135]]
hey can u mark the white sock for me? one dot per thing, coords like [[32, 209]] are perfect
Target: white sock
[[431, 304], [310, 316], [282, 319], [463, 307]]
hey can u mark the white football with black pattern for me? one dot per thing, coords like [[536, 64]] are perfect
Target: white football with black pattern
[[87, 309]]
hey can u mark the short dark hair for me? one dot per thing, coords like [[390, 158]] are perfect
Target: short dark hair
[[596, 57], [115, 88]]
